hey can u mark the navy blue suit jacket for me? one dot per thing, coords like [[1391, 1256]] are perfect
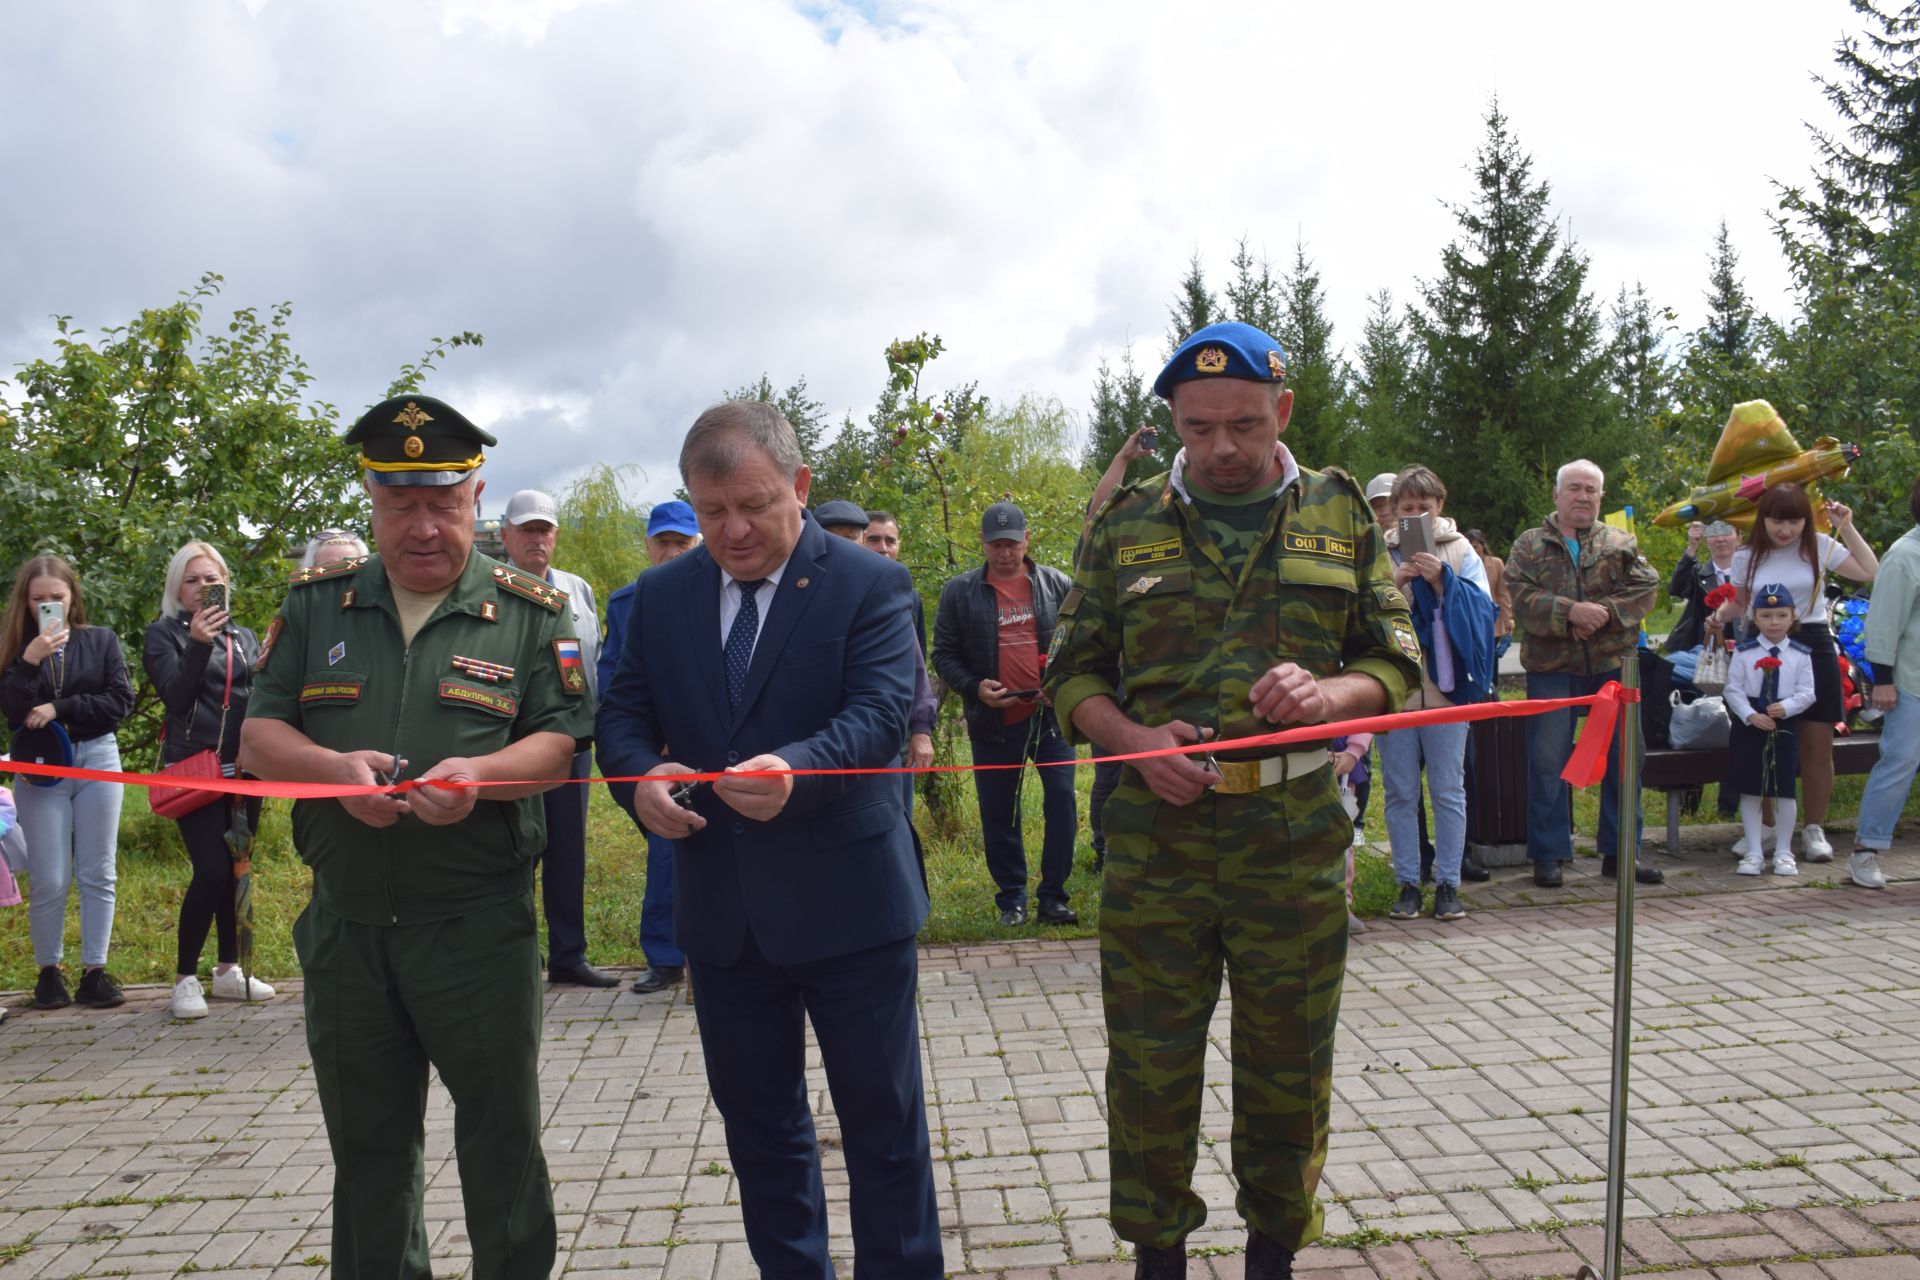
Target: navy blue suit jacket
[[830, 686]]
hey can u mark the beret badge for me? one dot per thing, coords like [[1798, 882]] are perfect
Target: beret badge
[[1211, 360], [1276, 365]]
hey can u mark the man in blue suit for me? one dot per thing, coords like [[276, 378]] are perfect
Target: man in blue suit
[[777, 647]]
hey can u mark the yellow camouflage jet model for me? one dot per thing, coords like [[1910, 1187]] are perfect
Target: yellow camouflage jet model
[[1755, 453]]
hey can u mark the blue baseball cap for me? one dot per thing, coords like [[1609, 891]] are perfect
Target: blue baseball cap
[[1230, 350], [1773, 596], [672, 517]]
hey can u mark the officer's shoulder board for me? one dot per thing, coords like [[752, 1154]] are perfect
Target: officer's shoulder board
[[1753, 643], [326, 572], [1796, 646], [528, 587]]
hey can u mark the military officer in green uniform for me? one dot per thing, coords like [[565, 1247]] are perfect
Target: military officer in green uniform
[[1238, 592], [426, 661]]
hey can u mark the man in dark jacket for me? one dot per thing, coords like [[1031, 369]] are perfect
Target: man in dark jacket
[[990, 637], [1693, 578]]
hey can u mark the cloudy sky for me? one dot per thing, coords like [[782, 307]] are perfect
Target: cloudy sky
[[643, 204]]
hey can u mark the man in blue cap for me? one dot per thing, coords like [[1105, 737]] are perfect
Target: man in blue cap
[[1238, 593], [671, 531]]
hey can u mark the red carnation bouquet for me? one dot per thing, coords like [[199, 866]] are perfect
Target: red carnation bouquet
[[1720, 595]]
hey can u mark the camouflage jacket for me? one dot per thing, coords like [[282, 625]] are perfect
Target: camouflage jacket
[[1545, 582], [1153, 599]]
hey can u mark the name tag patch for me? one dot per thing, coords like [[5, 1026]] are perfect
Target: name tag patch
[[1151, 553], [498, 701], [1320, 544], [331, 691]]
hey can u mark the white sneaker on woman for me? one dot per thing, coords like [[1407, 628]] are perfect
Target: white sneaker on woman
[[1783, 865], [1864, 869], [189, 999], [1740, 849], [232, 985], [1814, 846]]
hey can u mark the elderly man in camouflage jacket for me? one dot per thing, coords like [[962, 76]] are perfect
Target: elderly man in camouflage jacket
[[1580, 590], [1237, 592]]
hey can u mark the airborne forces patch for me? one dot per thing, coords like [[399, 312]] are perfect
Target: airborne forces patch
[[1403, 635]]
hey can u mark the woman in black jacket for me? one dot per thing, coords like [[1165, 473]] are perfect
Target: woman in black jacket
[[201, 665], [64, 691]]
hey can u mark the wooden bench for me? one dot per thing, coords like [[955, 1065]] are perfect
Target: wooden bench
[[1677, 772]]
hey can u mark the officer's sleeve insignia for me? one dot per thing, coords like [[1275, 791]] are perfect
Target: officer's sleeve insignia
[[573, 674], [1404, 636], [274, 629]]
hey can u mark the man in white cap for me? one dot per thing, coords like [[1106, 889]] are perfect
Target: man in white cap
[[1380, 496], [529, 530]]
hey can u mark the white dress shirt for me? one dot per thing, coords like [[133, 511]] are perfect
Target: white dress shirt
[[730, 601]]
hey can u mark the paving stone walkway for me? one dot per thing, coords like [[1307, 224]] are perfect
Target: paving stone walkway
[[1775, 1119]]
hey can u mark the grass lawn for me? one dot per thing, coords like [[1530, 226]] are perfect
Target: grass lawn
[[153, 875]]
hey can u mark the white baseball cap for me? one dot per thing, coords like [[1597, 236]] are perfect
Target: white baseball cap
[[1381, 486], [531, 504]]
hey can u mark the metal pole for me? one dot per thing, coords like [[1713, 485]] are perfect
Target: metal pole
[[1626, 861]]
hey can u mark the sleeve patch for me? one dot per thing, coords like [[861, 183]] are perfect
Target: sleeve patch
[[274, 629], [1403, 635], [573, 674]]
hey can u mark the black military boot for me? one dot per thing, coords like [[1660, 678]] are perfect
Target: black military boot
[[1150, 1263], [1267, 1260]]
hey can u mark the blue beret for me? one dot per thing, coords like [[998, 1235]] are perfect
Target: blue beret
[[1223, 351], [672, 517], [1773, 596]]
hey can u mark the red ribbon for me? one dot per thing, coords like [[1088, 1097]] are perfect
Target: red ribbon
[[1585, 767]]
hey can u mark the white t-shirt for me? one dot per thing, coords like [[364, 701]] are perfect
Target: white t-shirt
[[1786, 566]]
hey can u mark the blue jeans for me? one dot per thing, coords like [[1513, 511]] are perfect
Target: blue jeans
[[1549, 743], [1892, 775], [1445, 749], [656, 906], [72, 830]]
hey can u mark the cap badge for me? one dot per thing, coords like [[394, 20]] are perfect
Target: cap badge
[[1276, 366], [414, 446], [412, 416], [1211, 360]]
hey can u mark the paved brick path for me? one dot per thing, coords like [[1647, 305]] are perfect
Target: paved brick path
[[1776, 1122]]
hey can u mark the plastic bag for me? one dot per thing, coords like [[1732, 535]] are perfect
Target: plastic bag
[[1700, 725]]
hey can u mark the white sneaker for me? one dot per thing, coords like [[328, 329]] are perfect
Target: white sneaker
[[1783, 865], [189, 999], [1740, 849], [232, 985], [1750, 865], [1813, 844], [1864, 867], [1360, 837]]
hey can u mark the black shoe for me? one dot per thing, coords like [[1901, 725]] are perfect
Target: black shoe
[[98, 991], [1267, 1260], [1099, 859], [1408, 906], [1472, 872], [1610, 868], [50, 992], [658, 978], [581, 975], [1548, 874], [1013, 916], [1446, 903], [1150, 1263], [1057, 913]]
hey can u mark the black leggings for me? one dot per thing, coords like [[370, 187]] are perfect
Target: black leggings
[[209, 896]]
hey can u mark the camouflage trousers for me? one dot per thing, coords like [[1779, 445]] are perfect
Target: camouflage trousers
[[1257, 884]]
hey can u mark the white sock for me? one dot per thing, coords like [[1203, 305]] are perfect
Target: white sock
[[1783, 811], [1750, 819]]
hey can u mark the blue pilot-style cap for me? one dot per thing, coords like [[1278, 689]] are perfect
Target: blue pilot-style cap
[[1773, 596], [672, 517], [1230, 350]]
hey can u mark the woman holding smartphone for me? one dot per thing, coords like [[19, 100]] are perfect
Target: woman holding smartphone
[[201, 665], [64, 691]]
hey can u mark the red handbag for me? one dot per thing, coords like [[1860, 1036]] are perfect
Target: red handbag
[[178, 802]]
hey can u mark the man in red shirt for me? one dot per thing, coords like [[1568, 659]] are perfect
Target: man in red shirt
[[993, 626]]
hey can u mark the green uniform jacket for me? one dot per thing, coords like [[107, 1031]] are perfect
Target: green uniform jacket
[[1153, 598], [334, 667]]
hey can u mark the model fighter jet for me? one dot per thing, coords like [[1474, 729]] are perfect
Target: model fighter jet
[[1755, 453]]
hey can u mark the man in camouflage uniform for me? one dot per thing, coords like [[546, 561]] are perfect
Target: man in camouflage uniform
[[420, 946], [1237, 592]]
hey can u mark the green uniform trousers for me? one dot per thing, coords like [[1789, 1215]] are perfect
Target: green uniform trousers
[[1257, 882], [384, 1002]]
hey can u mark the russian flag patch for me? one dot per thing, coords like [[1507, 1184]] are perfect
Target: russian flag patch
[[573, 673]]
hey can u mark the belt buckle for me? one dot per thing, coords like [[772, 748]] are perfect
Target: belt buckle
[[1238, 777]]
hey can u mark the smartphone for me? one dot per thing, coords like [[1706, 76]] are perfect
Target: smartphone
[[53, 616], [213, 596], [1023, 693], [1150, 438], [1416, 536]]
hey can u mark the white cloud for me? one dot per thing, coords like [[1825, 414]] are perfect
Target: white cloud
[[642, 205]]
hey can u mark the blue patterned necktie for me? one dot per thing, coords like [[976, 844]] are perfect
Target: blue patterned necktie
[[740, 638]]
